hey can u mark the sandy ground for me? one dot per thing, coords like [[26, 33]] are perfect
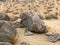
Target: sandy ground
[[39, 39], [13, 9]]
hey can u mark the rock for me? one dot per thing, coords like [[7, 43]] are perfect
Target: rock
[[2, 0], [54, 37], [4, 17], [17, 23], [32, 22], [5, 43], [7, 31], [24, 43], [51, 16]]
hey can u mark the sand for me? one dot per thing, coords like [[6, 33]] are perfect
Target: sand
[[39, 39]]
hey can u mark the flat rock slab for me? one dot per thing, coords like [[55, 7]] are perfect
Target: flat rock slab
[[39, 39]]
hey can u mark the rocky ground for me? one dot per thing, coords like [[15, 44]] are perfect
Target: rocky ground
[[41, 8]]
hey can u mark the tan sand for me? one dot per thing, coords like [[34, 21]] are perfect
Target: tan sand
[[39, 39]]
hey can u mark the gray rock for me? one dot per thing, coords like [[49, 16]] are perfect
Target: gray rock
[[24, 43], [5, 43], [32, 22], [2, 0], [4, 17], [54, 37], [7, 31]]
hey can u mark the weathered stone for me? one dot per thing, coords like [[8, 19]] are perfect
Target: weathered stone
[[2, 0], [24, 43], [5, 43], [54, 37], [4, 17], [7, 31], [32, 22], [51, 16], [17, 23]]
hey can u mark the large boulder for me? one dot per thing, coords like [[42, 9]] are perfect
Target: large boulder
[[32, 22], [7, 31]]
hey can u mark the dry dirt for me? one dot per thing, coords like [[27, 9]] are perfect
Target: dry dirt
[[39, 39]]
